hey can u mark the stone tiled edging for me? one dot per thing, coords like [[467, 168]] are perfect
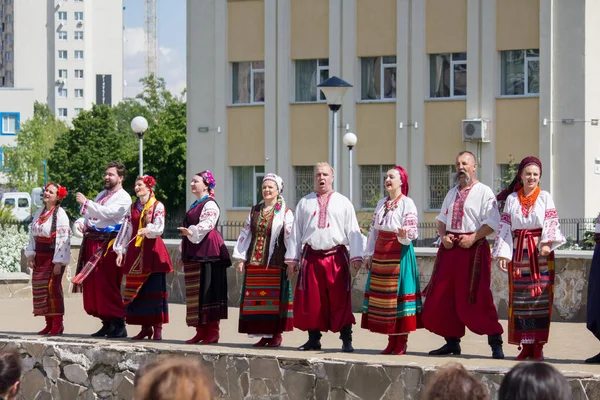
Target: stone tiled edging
[[84, 371]]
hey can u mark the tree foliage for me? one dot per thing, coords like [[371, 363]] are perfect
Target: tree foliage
[[509, 174], [23, 163]]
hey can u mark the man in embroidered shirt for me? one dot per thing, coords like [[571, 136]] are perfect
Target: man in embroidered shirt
[[458, 293], [325, 225], [97, 270]]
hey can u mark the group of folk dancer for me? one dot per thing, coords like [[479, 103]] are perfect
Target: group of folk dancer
[[320, 243]]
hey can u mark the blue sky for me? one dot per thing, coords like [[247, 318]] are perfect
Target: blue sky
[[171, 43]]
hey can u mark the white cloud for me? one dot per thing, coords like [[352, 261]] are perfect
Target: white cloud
[[135, 41]]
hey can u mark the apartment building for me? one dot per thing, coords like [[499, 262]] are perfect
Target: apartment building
[[69, 52], [426, 75]]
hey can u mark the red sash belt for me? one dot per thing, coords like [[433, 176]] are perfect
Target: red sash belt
[[322, 253], [528, 236]]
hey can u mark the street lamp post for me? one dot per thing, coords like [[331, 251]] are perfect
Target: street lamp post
[[350, 140], [334, 89], [139, 125]]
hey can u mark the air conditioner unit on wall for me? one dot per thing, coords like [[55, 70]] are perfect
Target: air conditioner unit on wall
[[476, 130]]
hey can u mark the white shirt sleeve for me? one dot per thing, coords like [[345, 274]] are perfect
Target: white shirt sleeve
[[208, 221], [243, 243], [122, 241], [410, 222], [294, 249], [157, 226], [443, 215], [503, 244], [62, 249], [489, 210], [289, 226], [115, 208], [30, 249], [355, 238], [551, 232]]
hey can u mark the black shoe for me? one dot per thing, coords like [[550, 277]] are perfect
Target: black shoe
[[593, 360], [495, 342], [452, 346], [346, 336], [107, 328], [314, 341], [119, 330]]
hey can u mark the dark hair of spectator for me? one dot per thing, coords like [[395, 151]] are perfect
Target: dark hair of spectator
[[10, 370], [533, 381], [452, 381], [121, 170]]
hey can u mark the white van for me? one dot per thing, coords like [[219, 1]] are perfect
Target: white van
[[19, 203]]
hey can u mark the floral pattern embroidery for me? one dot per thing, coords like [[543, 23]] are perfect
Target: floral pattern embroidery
[[323, 202], [458, 208]]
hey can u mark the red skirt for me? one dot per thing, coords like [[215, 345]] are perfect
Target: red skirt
[[48, 299]]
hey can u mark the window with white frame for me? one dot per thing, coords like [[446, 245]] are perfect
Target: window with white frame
[[78, 93], [62, 92], [372, 184], [309, 73], [77, 111], [62, 15], [79, 54], [9, 123], [62, 54], [62, 35], [447, 75], [62, 112], [247, 185], [520, 71], [378, 78], [304, 177], [78, 15], [62, 73], [78, 74], [248, 82], [78, 35], [440, 181]]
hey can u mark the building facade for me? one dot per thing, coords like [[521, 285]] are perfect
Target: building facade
[[527, 69], [69, 52]]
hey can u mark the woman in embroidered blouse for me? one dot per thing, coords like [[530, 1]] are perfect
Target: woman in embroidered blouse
[[392, 265], [527, 237], [146, 261], [266, 303], [205, 260], [48, 253]]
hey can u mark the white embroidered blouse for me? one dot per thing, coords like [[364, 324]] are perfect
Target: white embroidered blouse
[[543, 216], [108, 209], [206, 223], [155, 228], [403, 216], [62, 249]]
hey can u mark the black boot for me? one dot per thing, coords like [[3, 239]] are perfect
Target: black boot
[[314, 341], [120, 331], [452, 346], [346, 336], [593, 360], [107, 328], [495, 342]]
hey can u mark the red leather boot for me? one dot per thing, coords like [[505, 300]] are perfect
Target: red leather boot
[[526, 352], [538, 353], [212, 333], [262, 342], [48, 327], [145, 332], [401, 345], [275, 341], [157, 332], [57, 326], [200, 334], [391, 344]]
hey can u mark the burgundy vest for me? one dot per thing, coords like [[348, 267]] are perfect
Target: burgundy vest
[[278, 256], [212, 248]]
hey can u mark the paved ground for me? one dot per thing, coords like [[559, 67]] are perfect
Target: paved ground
[[570, 343]]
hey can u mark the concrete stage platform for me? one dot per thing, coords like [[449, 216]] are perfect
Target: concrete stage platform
[[75, 366]]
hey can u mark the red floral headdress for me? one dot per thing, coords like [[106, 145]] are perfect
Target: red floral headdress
[[148, 181], [61, 191]]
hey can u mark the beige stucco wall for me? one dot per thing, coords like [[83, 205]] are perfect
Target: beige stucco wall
[[246, 135], [517, 128], [309, 127], [375, 28], [443, 131], [517, 24], [246, 30], [376, 129], [237, 215], [445, 26], [309, 29]]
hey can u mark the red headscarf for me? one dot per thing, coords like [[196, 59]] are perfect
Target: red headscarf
[[516, 184], [403, 178]]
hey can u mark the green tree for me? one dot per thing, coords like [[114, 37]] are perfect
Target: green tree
[[23, 163], [507, 176], [79, 157]]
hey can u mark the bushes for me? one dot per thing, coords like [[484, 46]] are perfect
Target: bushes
[[13, 239]]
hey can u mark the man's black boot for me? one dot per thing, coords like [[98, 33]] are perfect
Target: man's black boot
[[452, 346], [346, 336], [120, 331], [314, 341], [107, 328], [495, 342]]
